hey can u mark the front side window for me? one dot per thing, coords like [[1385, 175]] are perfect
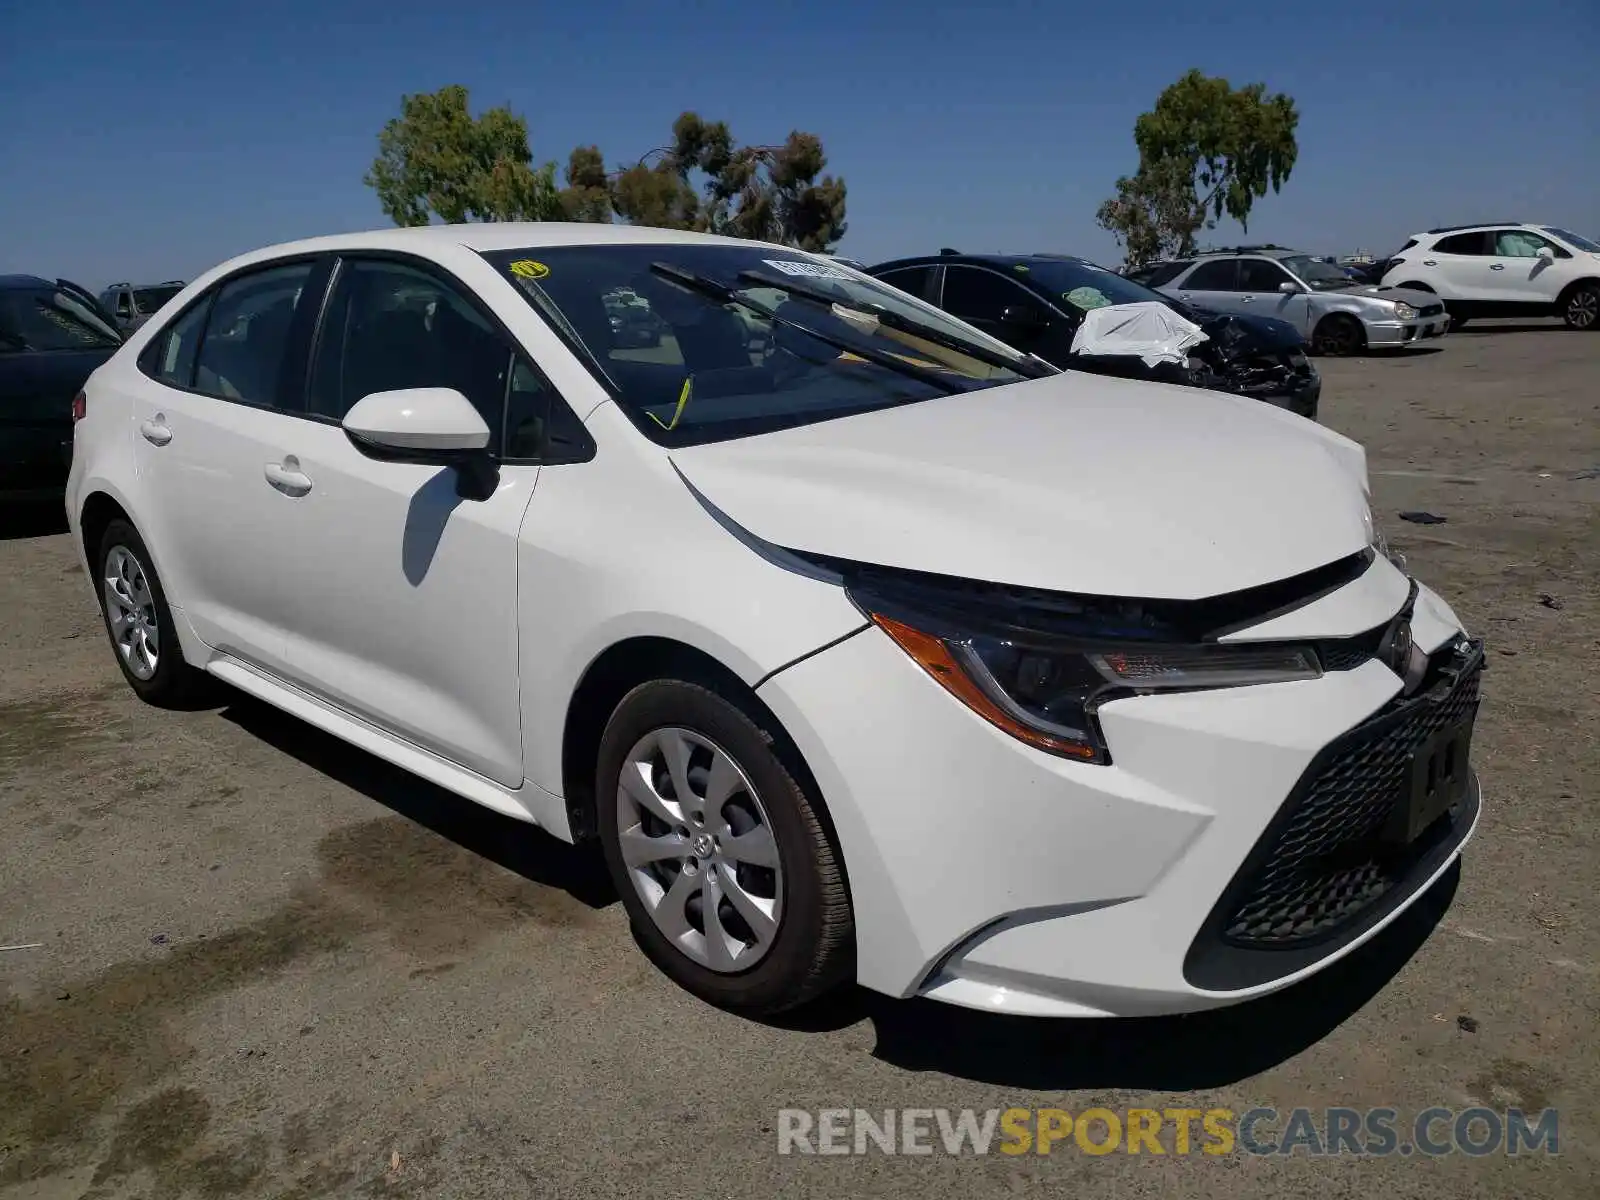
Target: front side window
[[48, 319], [1316, 273], [390, 326], [241, 356], [1218, 275], [734, 340], [1259, 275], [1518, 243]]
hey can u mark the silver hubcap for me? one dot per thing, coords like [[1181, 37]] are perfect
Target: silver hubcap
[[699, 849], [1583, 308], [131, 613]]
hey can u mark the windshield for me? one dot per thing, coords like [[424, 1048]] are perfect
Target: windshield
[[1318, 273], [1084, 285], [704, 342], [1573, 240], [50, 319], [147, 300]]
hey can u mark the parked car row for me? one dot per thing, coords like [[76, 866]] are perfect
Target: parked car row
[[1498, 269], [132, 305], [887, 652]]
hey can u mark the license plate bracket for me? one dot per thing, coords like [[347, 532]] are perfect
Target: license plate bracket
[[1436, 780]]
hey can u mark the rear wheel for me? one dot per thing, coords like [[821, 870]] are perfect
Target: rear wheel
[[138, 621], [731, 881], [1582, 307], [1338, 334]]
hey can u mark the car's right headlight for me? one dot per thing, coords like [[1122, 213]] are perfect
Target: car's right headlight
[[1403, 310], [1044, 690]]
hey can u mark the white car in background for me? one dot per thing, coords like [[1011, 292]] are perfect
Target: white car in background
[[890, 654], [1503, 270]]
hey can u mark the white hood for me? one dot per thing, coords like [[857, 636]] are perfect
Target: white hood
[[1074, 483]]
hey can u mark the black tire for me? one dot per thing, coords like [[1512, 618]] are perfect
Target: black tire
[[174, 683], [1580, 308], [1338, 335], [813, 947]]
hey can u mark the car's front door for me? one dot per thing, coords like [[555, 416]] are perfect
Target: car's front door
[[1211, 284], [405, 606], [1521, 275], [1260, 284], [214, 407], [1006, 310]]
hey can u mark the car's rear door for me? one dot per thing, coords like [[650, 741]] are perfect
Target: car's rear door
[[214, 407], [405, 611]]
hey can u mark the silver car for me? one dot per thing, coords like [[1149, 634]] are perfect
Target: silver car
[[1333, 312]]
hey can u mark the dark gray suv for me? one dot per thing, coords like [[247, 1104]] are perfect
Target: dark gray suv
[[134, 304]]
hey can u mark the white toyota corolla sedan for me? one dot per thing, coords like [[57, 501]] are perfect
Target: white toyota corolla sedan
[[867, 647]]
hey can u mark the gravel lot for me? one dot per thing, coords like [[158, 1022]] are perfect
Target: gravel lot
[[273, 966]]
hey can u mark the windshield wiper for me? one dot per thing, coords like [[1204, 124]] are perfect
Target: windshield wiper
[[893, 320], [727, 294]]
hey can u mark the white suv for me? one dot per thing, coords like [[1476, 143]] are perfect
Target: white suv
[[1503, 270], [884, 652]]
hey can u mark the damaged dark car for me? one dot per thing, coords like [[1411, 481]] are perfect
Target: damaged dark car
[[1038, 302]]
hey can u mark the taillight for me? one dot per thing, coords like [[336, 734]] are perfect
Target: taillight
[[80, 407]]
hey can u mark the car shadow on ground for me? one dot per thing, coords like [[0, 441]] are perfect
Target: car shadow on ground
[[1182, 1053], [31, 519], [521, 848], [1178, 1054], [1399, 352]]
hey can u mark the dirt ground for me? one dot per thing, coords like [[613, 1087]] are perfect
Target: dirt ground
[[272, 966]]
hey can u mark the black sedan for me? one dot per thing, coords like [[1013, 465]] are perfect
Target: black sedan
[[1036, 302], [52, 337]]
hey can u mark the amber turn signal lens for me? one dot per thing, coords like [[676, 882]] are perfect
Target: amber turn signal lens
[[934, 657]]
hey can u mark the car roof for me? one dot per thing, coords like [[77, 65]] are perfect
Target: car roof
[[1477, 226], [1249, 251], [503, 235], [1005, 261], [11, 283]]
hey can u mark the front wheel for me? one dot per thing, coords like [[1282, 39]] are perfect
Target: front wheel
[[1338, 334], [138, 621], [731, 882], [1582, 309]]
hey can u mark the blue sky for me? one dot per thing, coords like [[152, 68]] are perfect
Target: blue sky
[[149, 140]]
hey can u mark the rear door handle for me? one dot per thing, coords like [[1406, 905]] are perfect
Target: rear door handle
[[1497, 266], [287, 476], [1246, 299], [155, 431], [1428, 262]]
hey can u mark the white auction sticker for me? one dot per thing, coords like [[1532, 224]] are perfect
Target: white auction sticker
[[790, 266]]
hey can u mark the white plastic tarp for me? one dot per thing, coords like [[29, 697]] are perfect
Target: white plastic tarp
[[1148, 329]]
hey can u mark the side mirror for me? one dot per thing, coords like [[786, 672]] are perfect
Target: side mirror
[[1546, 254], [1022, 316], [1289, 288], [422, 424]]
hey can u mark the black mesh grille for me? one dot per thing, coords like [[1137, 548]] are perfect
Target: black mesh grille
[[1430, 310], [1325, 863], [1346, 654]]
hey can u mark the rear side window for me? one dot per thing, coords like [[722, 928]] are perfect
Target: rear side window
[[1462, 243], [912, 280], [1215, 276], [242, 352]]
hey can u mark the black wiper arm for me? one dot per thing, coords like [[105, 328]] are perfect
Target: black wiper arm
[[893, 320], [727, 294]]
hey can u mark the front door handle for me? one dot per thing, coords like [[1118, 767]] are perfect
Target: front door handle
[[1246, 299], [287, 476], [156, 431], [1497, 266], [1428, 262]]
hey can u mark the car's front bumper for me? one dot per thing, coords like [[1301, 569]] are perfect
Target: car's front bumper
[[989, 874], [1406, 333]]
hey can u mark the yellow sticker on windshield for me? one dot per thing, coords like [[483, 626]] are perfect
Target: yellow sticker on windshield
[[526, 268], [683, 402]]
